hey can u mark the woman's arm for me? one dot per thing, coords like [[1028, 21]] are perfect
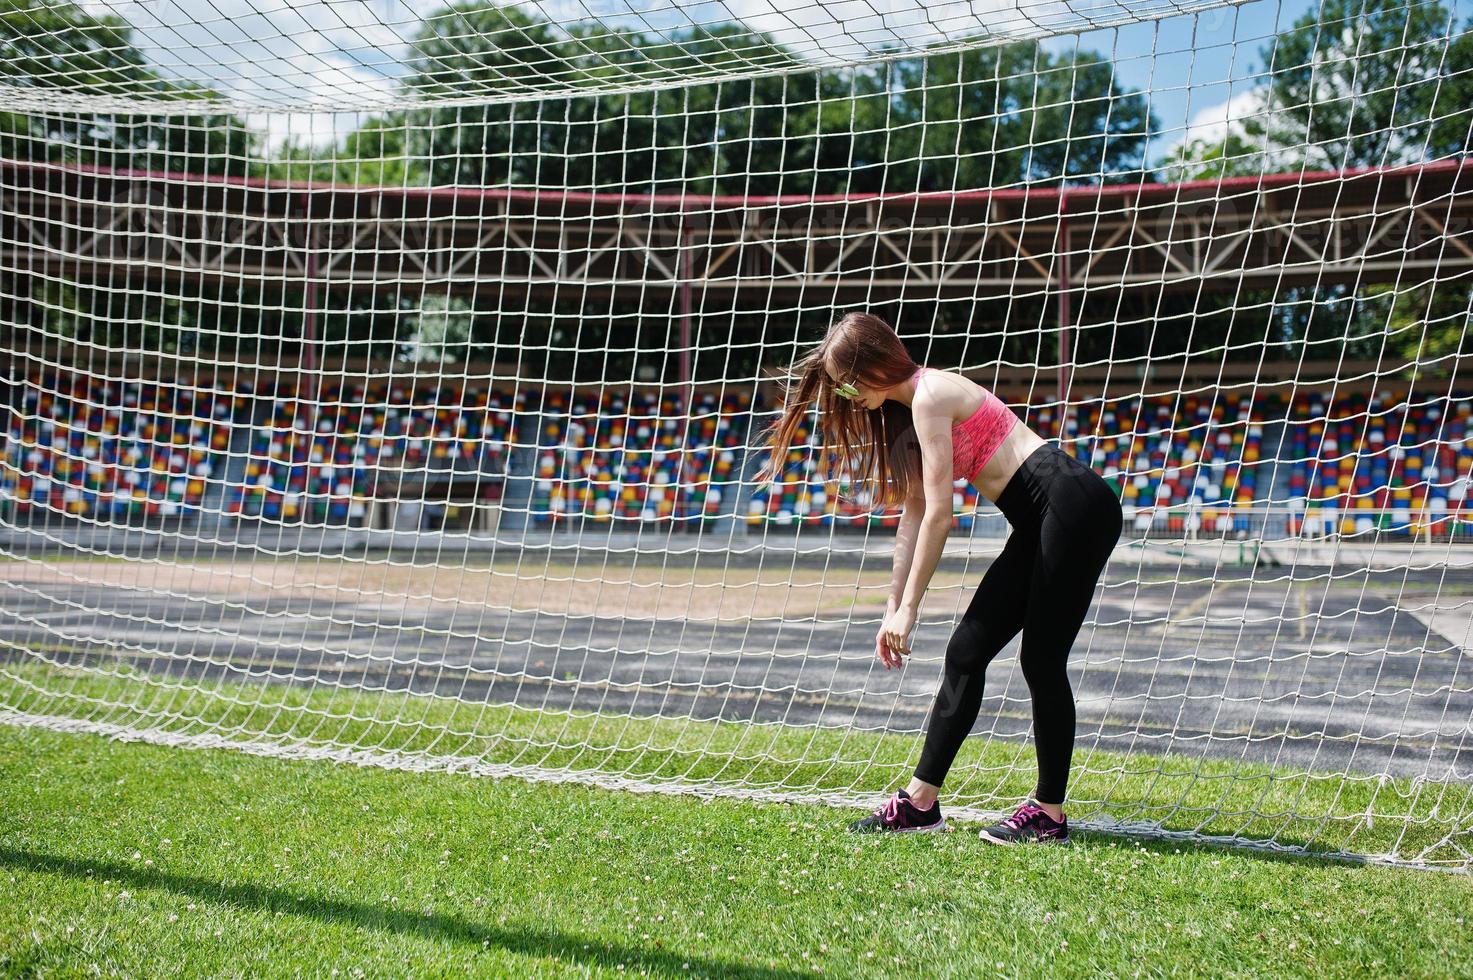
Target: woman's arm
[[933, 429], [933, 527], [923, 529], [905, 540], [906, 533]]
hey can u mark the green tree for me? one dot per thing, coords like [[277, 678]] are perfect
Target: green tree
[[1366, 82], [475, 48], [1427, 325], [1369, 83], [1201, 159], [1014, 113], [982, 118], [56, 48], [1375, 83], [63, 47]]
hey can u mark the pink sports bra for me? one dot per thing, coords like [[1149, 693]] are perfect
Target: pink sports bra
[[974, 441]]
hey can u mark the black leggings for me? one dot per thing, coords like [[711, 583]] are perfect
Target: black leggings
[[1065, 522]]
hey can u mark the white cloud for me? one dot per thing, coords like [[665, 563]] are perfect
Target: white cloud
[[313, 69], [845, 30], [292, 55], [1212, 125], [319, 55]]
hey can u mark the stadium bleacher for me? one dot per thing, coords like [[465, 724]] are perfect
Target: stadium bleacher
[[302, 467], [1190, 462], [83, 446]]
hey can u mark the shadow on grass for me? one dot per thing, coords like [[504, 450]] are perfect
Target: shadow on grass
[[523, 940], [1104, 840], [1099, 839], [1292, 851]]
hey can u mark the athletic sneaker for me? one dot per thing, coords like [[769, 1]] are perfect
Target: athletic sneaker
[[900, 816], [1029, 824]]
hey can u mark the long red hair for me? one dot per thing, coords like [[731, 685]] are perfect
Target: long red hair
[[875, 448]]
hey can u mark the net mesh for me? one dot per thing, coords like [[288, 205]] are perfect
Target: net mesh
[[388, 388]]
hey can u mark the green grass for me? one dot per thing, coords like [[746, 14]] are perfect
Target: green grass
[[1407, 820], [127, 858]]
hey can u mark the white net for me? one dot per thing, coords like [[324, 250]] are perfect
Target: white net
[[387, 388]]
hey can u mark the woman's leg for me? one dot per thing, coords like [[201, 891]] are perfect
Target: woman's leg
[[1078, 534], [993, 617]]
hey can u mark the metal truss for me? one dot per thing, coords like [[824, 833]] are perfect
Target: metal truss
[[1368, 226]]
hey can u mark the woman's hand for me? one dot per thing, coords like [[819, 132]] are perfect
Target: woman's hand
[[892, 643]]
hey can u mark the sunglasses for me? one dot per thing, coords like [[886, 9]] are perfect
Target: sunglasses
[[846, 390]]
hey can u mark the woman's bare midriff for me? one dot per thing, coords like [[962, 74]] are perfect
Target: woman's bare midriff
[[1017, 446]]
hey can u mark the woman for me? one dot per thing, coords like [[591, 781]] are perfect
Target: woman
[[909, 432]]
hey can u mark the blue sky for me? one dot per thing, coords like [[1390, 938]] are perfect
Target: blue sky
[[1194, 66], [287, 58]]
